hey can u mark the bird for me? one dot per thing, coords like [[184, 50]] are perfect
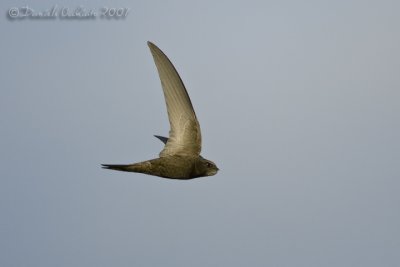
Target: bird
[[180, 158]]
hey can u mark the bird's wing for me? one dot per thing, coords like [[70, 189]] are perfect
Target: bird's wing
[[184, 135], [162, 138]]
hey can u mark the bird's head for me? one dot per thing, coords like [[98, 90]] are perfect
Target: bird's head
[[207, 167]]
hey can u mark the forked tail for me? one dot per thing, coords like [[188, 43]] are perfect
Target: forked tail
[[143, 167], [116, 167]]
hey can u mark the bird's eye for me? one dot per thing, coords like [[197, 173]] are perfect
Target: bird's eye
[[209, 165]]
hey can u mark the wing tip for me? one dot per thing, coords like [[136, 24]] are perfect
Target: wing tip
[[151, 45], [155, 51]]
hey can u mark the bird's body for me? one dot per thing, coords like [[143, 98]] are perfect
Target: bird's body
[[174, 167], [180, 158]]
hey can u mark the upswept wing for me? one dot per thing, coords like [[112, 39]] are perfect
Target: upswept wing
[[184, 135]]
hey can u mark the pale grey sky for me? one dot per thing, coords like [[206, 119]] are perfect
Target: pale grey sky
[[298, 103]]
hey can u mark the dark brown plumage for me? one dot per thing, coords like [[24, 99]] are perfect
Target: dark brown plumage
[[180, 158]]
